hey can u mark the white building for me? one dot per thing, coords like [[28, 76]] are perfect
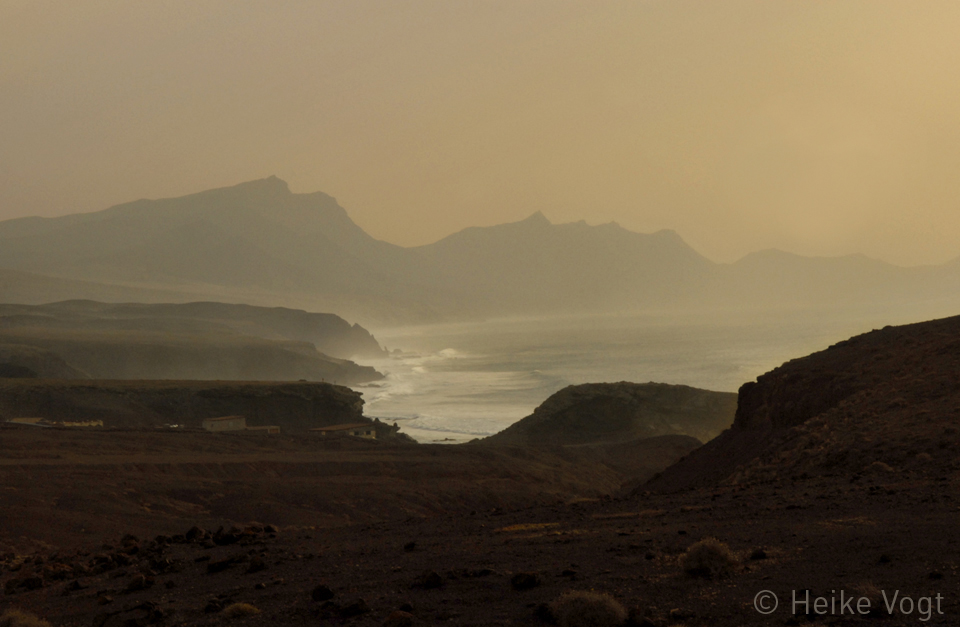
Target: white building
[[225, 423]]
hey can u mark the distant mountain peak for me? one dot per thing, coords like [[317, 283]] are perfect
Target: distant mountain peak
[[537, 218], [272, 184]]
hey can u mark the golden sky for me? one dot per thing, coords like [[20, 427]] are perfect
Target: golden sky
[[821, 127]]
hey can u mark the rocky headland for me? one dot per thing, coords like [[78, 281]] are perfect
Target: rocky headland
[[883, 401], [183, 341], [607, 413]]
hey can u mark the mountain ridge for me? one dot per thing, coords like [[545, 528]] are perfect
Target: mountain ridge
[[257, 242]]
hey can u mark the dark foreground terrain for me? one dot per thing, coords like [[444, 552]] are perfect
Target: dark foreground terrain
[[871, 535], [839, 478]]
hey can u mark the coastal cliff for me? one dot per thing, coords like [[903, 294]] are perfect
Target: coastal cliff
[[886, 399]]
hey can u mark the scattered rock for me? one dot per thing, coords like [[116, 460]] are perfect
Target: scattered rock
[[165, 565], [322, 593], [679, 615], [213, 606], [222, 565], [31, 583], [356, 608], [429, 580], [221, 538], [525, 581], [399, 618], [195, 534], [256, 565], [139, 582], [544, 613], [57, 572], [640, 618]]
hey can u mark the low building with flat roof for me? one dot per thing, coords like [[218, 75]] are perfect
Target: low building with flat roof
[[225, 423], [265, 429], [360, 430]]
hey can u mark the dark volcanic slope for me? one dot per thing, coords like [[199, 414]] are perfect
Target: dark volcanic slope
[[620, 412], [885, 401]]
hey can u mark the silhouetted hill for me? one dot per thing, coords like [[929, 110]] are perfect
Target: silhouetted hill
[[607, 413], [535, 266], [329, 333], [192, 341], [35, 289], [884, 401], [259, 243], [29, 362], [295, 407]]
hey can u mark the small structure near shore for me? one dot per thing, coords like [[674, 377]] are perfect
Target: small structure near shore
[[269, 429], [225, 423], [236, 423], [360, 430]]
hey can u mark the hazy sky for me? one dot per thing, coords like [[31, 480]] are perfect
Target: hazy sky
[[815, 126]]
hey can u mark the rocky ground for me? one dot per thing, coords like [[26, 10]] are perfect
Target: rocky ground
[[499, 567]]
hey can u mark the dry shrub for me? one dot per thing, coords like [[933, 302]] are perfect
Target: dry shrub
[[19, 618], [709, 558], [239, 610], [588, 609]]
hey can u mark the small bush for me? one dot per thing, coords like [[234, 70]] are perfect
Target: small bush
[[588, 609], [19, 618], [709, 559], [239, 610]]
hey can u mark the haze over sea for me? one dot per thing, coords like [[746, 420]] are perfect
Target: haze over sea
[[455, 382]]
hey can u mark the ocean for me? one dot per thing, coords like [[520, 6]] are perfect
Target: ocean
[[456, 382]]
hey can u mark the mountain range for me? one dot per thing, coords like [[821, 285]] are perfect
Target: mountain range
[[261, 244]]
